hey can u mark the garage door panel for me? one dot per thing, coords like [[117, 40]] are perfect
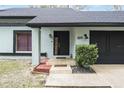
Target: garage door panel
[[116, 42], [97, 40], [110, 45]]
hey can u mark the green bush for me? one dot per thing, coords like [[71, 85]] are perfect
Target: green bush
[[86, 55]]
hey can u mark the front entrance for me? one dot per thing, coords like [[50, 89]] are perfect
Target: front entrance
[[61, 43], [110, 44]]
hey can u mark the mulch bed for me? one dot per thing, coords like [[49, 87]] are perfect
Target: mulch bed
[[77, 69]]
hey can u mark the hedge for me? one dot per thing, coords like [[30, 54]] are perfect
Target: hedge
[[86, 55]]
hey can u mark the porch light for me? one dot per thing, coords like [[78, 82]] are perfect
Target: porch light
[[85, 36]]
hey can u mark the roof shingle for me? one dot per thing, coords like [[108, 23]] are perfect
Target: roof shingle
[[65, 15]]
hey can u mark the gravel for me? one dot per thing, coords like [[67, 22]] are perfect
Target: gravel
[[77, 69]]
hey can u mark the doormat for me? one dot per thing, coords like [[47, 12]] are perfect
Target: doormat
[[60, 65], [60, 57]]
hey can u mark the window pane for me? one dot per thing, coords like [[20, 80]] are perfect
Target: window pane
[[29, 42], [23, 41]]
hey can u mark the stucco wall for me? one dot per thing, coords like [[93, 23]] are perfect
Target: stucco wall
[[6, 38], [80, 31], [47, 42]]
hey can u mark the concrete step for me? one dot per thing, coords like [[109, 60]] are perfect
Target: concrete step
[[77, 81], [60, 70]]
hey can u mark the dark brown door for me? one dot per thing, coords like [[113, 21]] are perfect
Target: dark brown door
[[110, 44], [61, 42]]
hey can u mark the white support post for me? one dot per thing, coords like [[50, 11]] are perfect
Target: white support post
[[36, 37]]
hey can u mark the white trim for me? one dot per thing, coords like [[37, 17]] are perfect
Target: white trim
[[23, 52], [67, 56]]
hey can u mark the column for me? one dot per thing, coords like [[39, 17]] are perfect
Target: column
[[36, 46]]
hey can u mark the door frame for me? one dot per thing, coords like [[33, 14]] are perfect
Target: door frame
[[54, 41]]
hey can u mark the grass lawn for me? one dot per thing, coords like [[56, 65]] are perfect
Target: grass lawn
[[15, 74]]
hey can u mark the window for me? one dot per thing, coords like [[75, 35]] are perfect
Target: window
[[23, 41]]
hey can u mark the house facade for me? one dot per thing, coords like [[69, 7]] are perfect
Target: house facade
[[55, 33]]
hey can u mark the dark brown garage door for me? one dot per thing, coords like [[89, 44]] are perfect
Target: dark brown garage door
[[111, 46]]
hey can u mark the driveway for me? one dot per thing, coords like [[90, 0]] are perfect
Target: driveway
[[114, 74]]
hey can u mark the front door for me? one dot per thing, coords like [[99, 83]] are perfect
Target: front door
[[61, 42], [110, 44]]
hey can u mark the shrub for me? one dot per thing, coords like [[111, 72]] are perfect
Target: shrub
[[86, 55]]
